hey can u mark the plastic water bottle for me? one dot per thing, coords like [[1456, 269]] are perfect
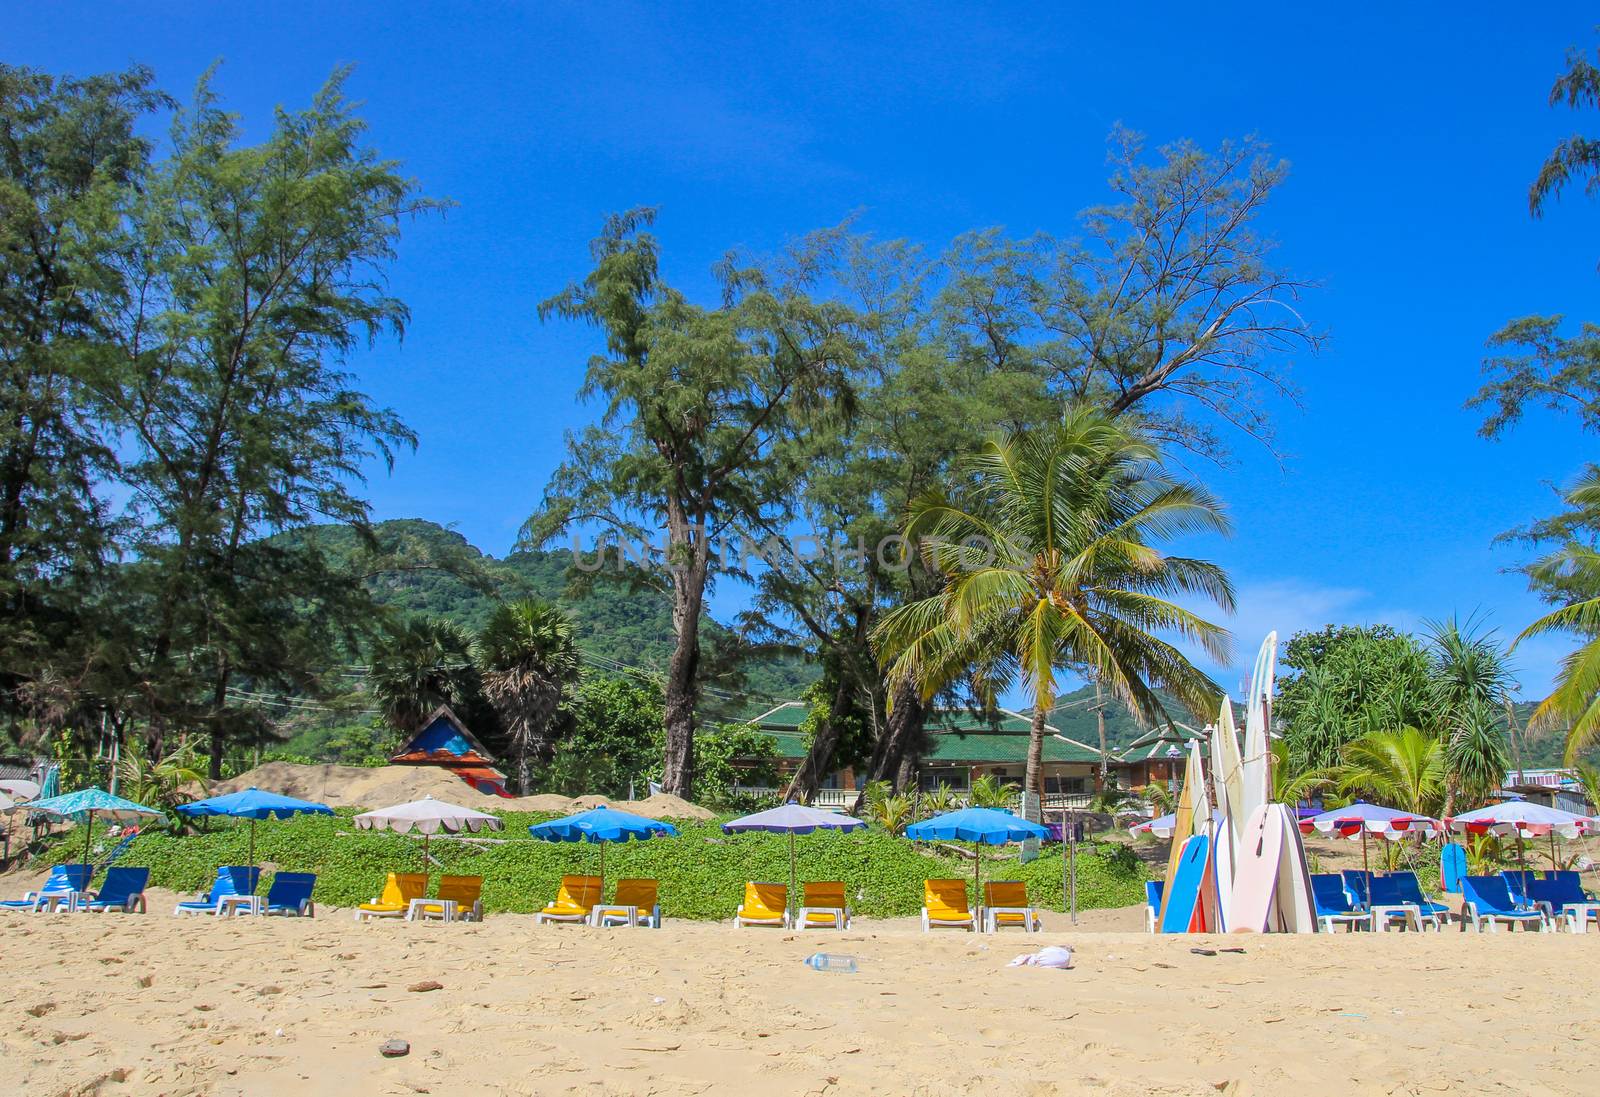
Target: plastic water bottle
[[827, 961]]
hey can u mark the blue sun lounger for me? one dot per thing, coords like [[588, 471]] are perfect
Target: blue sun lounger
[[1402, 889], [1560, 896], [1152, 903], [60, 891], [290, 893], [122, 889], [233, 884], [1488, 899], [1335, 907]]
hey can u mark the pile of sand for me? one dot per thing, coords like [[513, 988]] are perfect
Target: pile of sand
[[382, 786]]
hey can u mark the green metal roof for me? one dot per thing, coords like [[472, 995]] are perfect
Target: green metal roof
[[956, 738]]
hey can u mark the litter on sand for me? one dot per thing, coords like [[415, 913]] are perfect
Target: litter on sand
[[1056, 956]]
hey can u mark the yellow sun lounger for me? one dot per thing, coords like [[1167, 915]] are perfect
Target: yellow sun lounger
[[944, 903], [764, 905], [398, 891], [635, 905], [574, 900], [825, 907], [1005, 903], [459, 899]]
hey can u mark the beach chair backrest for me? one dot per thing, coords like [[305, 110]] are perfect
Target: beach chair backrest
[[122, 883], [462, 890], [65, 878], [764, 896], [290, 889], [1405, 885], [1487, 893], [578, 891], [1152, 893], [1005, 893], [950, 895], [1521, 884], [411, 885], [1358, 885], [1327, 888], [825, 893], [637, 893]]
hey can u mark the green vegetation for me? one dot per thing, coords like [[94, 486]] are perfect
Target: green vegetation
[[702, 871]]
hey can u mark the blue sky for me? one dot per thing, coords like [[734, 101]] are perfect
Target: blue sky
[[1412, 133]]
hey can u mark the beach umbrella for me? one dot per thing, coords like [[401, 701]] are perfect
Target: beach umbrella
[[253, 804], [792, 819], [1161, 827], [428, 816], [19, 790], [7, 804], [603, 825], [980, 826], [1361, 819], [1525, 820], [89, 804]]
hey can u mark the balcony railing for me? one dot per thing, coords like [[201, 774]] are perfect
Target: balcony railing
[[840, 799]]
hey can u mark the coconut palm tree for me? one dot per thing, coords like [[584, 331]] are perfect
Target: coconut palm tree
[[1047, 548], [419, 665], [1403, 769], [529, 666], [1572, 574]]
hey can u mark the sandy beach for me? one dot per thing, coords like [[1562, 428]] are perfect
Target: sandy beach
[[157, 1005]]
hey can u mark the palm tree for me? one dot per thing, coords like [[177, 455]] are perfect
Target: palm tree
[[1402, 769], [1571, 574], [1292, 783], [419, 665], [1469, 686], [1047, 550], [990, 791], [529, 666], [160, 782]]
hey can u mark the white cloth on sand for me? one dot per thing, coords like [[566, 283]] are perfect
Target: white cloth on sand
[[1056, 956]]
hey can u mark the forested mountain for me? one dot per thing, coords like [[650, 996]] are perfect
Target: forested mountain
[[419, 567]]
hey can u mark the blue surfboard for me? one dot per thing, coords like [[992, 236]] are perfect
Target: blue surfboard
[[1184, 889], [1452, 867]]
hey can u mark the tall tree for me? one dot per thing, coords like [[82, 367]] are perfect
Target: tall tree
[[257, 269], [1345, 681], [529, 667], [417, 666], [697, 405], [1048, 549], [1470, 685], [70, 167]]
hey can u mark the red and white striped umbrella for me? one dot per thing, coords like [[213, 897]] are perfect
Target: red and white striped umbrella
[[1361, 818]]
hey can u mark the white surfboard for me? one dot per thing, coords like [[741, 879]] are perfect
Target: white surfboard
[[1255, 873], [1294, 908]]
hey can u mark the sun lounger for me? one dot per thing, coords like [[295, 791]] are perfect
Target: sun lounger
[[60, 891], [574, 902], [944, 904], [1398, 895], [1152, 903], [1334, 904], [1561, 897], [1488, 899], [764, 905], [122, 889], [290, 894], [458, 898], [824, 907], [232, 892], [634, 905], [1358, 887], [398, 891], [1005, 903]]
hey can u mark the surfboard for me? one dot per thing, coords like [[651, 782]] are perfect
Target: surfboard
[[1452, 867], [1183, 892], [1255, 873], [1257, 766], [1227, 767], [1222, 869], [1294, 910], [1182, 827]]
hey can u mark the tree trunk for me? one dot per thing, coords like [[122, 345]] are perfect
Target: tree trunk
[[904, 724], [683, 670], [819, 759], [1033, 776]]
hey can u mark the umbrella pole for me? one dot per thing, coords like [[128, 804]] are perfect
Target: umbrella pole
[[793, 883], [1366, 872], [88, 829], [602, 869], [1553, 866], [425, 837], [252, 841]]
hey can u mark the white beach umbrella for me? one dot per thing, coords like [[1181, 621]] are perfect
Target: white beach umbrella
[[19, 790], [429, 817]]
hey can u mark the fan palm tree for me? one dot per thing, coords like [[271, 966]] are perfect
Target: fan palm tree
[[419, 665], [1047, 550], [529, 666], [1403, 769]]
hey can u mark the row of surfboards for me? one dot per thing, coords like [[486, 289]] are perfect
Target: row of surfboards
[[1237, 864]]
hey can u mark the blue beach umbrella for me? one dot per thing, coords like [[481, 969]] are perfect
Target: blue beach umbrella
[[980, 826], [792, 819], [253, 804], [85, 806], [603, 825]]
